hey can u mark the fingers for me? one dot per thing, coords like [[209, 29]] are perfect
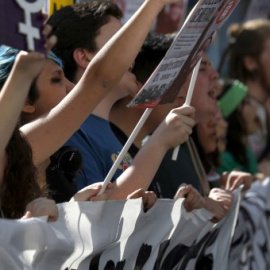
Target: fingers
[[185, 110], [184, 116], [193, 199], [87, 193], [219, 203], [46, 30], [149, 198], [182, 191], [235, 179], [216, 208], [27, 215], [90, 193], [42, 207], [50, 43], [50, 40], [53, 213]]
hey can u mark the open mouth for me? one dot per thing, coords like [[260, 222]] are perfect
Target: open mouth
[[212, 93]]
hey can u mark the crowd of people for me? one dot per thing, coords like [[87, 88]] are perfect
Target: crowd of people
[[65, 120]]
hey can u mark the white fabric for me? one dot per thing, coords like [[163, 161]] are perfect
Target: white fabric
[[251, 243], [96, 235]]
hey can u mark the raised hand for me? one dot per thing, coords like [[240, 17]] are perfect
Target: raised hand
[[30, 64], [176, 127]]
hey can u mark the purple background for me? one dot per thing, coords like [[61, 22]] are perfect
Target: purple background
[[10, 15]]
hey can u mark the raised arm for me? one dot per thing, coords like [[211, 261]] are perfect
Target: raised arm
[[174, 130], [16, 88], [52, 130]]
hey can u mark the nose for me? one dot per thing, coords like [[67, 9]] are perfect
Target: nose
[[69, 85], [213, 74]]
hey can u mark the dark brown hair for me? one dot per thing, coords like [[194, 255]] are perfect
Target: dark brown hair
[[77, 26], [246, 39], [20, 184]]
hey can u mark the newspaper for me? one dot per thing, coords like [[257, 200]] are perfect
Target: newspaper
[[258, 9], [189, 45]]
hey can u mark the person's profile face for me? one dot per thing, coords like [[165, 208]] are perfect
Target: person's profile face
[[204, 97], [249, 114], [52, 87]]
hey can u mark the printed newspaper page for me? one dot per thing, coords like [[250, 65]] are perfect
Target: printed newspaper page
[[189, 45]]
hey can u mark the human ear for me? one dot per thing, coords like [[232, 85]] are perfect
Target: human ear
[[28, 108], [250, 63], [82, 57]]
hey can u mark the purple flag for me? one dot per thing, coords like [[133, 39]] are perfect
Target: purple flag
[[21, 23]]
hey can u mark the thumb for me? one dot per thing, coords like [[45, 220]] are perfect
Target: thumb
[[28, 214], [182, 191]]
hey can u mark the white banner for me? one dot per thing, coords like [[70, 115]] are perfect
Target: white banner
[[251, 243], [117, 235]]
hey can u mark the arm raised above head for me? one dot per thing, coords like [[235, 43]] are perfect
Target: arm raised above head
[[51, 131], [15, 90]]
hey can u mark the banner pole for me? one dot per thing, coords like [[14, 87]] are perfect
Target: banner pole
[[188, 99], [125, 149]]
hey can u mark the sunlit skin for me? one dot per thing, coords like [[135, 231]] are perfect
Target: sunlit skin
[[52, 86], [204, 97], [128, 81], [128, 84]]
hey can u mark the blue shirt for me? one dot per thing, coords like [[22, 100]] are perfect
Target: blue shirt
[[99, 148]]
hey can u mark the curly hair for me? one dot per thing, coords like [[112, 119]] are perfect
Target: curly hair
[[20, 184]]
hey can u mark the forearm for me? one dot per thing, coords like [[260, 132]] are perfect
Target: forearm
[[124, 46], [101, 75], [12, 98], [141, 172]]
